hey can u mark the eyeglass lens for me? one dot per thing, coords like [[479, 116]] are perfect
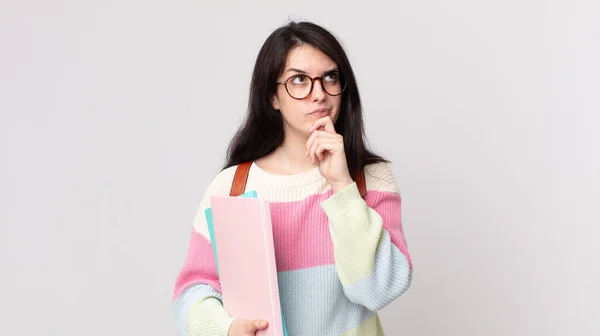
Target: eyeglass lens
[[299, 86]]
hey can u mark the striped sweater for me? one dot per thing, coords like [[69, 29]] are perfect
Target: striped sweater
[[339, 258]]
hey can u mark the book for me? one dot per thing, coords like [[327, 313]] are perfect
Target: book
[[242, 240], [211, 229]]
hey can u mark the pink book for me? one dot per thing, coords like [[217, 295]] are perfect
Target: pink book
[[246, 257]]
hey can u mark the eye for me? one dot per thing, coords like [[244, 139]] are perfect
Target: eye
[[299, 80], [331, 77]]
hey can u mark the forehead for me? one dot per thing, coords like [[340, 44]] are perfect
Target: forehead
[[309, 59]]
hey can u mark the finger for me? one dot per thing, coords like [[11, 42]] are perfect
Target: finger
[[310, 140], [250, 327], [320, 135], [313, 149], [319, 151], [326, 123], [259, 324], [324, 147], [326, 135]]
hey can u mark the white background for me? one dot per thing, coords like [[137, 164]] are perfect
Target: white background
[[115, 116]]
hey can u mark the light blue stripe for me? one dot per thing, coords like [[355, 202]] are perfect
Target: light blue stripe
[[314, 303], [390, 278], [183, 303]]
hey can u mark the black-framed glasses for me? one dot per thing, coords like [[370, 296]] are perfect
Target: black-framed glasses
[[300, 86]]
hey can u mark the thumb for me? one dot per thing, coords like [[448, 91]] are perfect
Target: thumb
[[255, 325]]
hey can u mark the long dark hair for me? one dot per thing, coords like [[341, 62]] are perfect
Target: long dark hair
[[262, 130]]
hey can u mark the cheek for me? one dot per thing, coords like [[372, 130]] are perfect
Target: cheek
[[338, 106], [291, 109]]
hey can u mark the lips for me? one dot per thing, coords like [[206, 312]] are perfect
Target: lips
[[320, 112]]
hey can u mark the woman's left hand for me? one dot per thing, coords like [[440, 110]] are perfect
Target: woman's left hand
[[326, 147]]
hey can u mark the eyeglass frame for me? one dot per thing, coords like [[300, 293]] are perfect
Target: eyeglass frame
[[312, 84]]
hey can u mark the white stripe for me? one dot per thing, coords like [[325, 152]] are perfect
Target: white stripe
[[378, 177]]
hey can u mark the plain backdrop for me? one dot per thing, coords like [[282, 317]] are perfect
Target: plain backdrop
[[115, 116]]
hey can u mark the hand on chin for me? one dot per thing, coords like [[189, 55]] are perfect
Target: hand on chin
[[325, 147]]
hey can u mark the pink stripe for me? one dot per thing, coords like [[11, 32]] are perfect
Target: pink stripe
[[302, 238], [389, 206], [301, 234], [199, 266], [301, 230]]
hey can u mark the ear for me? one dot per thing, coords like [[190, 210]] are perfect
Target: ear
[[275, 102]]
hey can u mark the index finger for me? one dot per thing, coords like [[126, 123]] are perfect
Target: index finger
[[324, 122]]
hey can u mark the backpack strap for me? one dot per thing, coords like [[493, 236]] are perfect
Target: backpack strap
[[240, 178], [361, 183]]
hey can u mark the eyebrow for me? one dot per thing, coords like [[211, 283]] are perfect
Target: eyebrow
[[304, 72]]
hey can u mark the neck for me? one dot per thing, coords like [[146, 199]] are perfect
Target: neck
[[292, 154]]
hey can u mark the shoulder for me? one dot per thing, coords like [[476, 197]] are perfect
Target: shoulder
[[221, 182], [380, 177], [220, 185]]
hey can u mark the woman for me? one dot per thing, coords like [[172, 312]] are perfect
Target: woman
[[341, 253]]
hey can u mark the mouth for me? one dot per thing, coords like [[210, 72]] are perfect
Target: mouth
[[321, 112]]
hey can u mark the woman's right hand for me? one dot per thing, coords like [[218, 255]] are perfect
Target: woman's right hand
[[241, 327]]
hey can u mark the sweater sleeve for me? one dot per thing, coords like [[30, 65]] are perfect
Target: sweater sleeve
[[370, 250], [197, 301]]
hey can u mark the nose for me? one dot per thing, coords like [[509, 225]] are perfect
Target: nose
[[317, 93]]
